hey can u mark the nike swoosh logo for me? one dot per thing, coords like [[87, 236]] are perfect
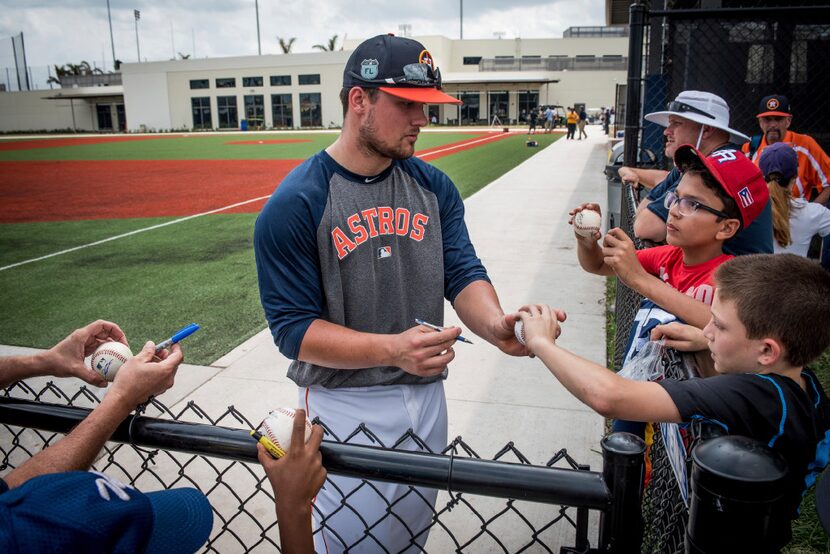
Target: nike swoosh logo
[[371, 179]]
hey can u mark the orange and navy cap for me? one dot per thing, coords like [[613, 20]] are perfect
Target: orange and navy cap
[[736, 174], [398, 66], [774, 105]]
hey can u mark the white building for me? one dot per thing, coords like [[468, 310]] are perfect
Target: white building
[[503, 78]]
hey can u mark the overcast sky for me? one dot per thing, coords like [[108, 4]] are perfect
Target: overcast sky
[[68, 31]]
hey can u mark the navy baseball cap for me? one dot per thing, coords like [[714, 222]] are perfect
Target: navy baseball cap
[[779, 158], [774, 105], [398, 66], [86, 511]]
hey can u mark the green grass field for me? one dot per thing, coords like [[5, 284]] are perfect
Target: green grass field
[[153, 283]]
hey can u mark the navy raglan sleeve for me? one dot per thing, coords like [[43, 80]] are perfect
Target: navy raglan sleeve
[[658, 194], [461, 265], [285, 247]]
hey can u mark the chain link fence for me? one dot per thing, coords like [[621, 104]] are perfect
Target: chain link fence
[[742, 52], [243, 503]]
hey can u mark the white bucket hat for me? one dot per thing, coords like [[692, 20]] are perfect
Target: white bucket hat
[[701, 107]]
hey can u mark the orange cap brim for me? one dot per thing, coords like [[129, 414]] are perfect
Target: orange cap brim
[[770, 114], [425, 95]]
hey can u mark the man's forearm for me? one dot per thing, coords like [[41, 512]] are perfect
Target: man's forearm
[[649, 226], [331, 345], [78, 449], [823, 196], [478, 307], [16, 368]]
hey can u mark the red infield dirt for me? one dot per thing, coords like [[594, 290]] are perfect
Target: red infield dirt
[[74, 190], [6, 146], [275, 141], [117, 189]]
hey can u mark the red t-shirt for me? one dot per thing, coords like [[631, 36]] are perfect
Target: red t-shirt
[[666, 262]]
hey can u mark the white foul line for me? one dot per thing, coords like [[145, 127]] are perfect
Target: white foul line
[[102, 241], [133, 233], [462, 145]]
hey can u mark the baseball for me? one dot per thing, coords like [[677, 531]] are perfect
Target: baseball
[[279, 425], [108, 359], [586, 222], [519, 331]]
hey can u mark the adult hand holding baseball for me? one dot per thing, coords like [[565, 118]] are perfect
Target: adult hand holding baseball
[[587, 221], [66, 359], [142, 376]]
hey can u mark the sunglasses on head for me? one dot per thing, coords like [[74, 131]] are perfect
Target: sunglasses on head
[[418, 74], [681, 107]]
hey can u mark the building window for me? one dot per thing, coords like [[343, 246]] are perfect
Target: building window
[[280, 80], [498, 102], [255, 110], [104, 117], [201, 112], [310, 79], [251, 81], [311, 114], [528, 100], [226, 82], [472, 60], [282, 110], [199, 83], [226, 106], [469, 112]]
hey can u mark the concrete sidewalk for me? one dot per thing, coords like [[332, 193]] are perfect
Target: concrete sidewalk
[[519, 227]]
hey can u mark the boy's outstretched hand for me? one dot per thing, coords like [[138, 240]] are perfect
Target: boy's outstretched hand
[[296, 478], [619, 253], [541, 324]]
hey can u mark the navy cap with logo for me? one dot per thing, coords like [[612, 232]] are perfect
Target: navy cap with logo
[[398, 66], [86, 511], [774, 105]]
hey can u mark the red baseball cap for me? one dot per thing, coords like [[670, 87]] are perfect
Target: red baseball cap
[[398, 66], [736, 174]]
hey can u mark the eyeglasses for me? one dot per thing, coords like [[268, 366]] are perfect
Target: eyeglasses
[[418, 74], [681, 107], [687, 206]]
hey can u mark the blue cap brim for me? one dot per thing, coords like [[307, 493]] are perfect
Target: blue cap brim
[[183, 520]]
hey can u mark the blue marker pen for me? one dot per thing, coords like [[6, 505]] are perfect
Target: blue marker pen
[[182, 333]]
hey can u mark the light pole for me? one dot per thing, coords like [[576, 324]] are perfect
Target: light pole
[[137, 15], [258, 41], [112, 41]]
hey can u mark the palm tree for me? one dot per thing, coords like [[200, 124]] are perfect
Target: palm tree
[[286, 45], [330, 47]]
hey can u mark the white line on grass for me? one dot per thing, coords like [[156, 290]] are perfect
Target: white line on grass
[[97, 242], [102, 241]]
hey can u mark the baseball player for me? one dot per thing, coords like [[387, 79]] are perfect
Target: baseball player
[[354, 245]]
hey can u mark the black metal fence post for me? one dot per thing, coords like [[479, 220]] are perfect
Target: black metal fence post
[[623, 469], [735, 482], [633, 102]]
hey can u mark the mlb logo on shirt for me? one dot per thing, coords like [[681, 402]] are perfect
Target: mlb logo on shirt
[[746, 197], [384, 252]]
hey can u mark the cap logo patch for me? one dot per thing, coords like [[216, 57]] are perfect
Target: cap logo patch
[[426, 58], [772, 104], [724, 156], [369, 69], [746, 197]]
